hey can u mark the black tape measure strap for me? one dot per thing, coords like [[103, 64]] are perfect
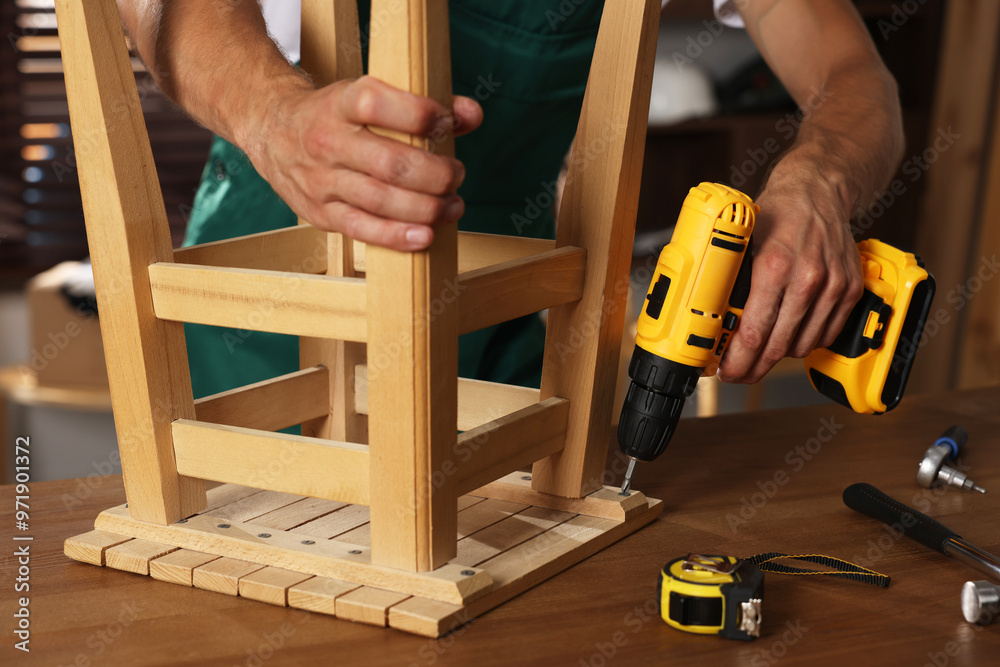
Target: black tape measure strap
[[840, 569]]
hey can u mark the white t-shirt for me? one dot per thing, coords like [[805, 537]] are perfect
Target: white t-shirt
[[283, 21]]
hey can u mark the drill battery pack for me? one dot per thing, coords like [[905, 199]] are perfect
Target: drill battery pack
[[867, 366]]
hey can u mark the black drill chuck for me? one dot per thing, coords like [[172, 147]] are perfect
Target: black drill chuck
[[653, 404]]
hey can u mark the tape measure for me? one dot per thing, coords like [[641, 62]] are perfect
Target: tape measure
[[724, 595]]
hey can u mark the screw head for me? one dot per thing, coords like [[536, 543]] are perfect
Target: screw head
[[526, 478], [308, 542], [468, 573], [223, 525], [265, 535], [354, 552]]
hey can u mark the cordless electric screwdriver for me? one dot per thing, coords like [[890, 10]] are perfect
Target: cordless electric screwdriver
[[693, 308]]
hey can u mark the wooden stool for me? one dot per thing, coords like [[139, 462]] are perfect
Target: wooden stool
[[396, 503]]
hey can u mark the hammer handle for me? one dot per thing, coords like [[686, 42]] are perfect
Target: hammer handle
[[866, 499]]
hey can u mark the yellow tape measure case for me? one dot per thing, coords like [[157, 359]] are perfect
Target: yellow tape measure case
[[712, 595]]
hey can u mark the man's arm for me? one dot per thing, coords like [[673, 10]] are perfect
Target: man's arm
[[216, 60], [806, 269]]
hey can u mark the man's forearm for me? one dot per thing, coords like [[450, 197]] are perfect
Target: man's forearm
[[822, 53], [852, 127], [215, 59]]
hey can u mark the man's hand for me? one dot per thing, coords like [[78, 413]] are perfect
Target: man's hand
[[806, 271], [316, 151], [216, 60], [806, 267]]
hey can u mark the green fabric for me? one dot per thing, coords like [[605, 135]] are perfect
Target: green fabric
[[526, 62]]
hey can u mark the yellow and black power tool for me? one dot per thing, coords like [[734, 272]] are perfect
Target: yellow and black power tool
[[693, 308]]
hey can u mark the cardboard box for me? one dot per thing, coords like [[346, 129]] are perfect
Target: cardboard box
[[66, 347]]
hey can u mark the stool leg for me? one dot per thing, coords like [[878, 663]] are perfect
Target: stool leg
[[598, 212], [127, 230], [412, 331], [331, 51]]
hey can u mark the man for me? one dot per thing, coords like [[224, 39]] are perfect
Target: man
[[525, 62]]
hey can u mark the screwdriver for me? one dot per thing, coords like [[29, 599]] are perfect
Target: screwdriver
[[933, 469]]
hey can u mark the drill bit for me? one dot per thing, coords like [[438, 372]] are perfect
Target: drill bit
[[952, 477], [932, 468], [627, 484]]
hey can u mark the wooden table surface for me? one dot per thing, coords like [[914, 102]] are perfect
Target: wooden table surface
[[741, 484]]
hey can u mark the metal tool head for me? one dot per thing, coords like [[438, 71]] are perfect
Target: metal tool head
[[934, 458], [980, 602]]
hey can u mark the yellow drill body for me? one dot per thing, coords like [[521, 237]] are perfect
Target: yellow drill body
[[695, 301], [701, 262]]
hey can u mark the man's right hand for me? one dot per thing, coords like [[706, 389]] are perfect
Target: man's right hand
[[316, 150]]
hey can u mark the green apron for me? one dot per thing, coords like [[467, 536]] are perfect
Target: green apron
[[526, 62]]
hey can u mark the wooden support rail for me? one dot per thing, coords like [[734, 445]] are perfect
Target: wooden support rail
[[522, 286], [335, 308], [299, 249], [476, 251], [511, 442], [288, 303], [270, 405], [272, 461], [478, 401]]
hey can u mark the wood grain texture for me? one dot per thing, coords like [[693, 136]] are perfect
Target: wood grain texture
[[954, 187], [127, 230], [294, 249], [274, 461], [368, 605], [331, 51], [848, 623], [270, 405], [252, 506], [288, 303], [134, 555], [507, 534], [477, 251], [298, 513], [486, 513], [605, 503], [509, 443], [597, 212], [90, 547], [318, 594], [327, 558], [519, 287], [177, 567], [223, 575], [479, 401], [270, 585], [413, 325]]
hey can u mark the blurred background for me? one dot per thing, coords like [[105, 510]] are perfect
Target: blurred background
[[717, 114]]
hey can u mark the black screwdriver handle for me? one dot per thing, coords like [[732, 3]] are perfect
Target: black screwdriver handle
[[955, 438], [866, 499]]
